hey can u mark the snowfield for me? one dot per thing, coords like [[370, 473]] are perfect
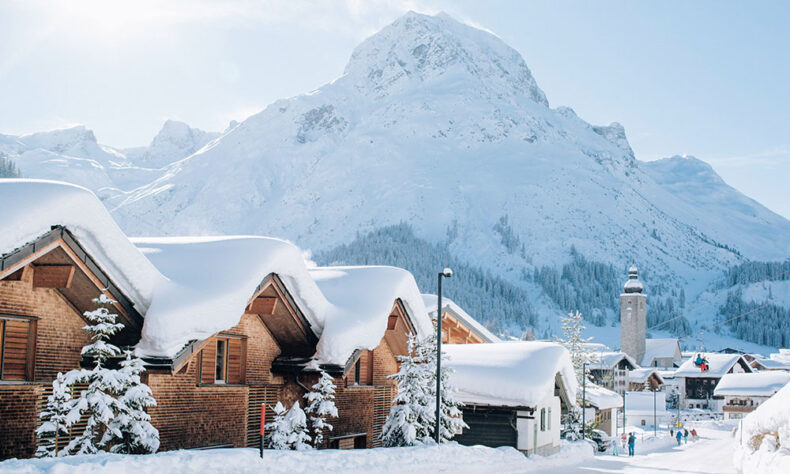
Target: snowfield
[[450, 457]]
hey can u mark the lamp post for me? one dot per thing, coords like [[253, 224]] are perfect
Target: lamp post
[[654, 411], [584, 400], [446, 273]]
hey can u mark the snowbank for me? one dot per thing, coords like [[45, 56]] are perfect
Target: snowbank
[[449, 457], [360, 302], [431, 301], [509, 373], [752, 384], [210, 280], [31, 207], [764, 436]]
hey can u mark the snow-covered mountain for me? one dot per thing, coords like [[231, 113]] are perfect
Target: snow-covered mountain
[[443, 126]]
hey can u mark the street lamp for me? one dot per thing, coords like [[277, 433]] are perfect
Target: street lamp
[[446, 273], [584, 399]]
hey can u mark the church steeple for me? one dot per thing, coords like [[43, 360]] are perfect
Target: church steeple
[[633, 317], [633, 285]]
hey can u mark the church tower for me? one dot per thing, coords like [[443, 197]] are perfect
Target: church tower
[[633, 317]]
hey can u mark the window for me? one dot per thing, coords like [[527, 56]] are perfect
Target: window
[[542, 419], [17, 347], [223, 360], [643, 422], [548, 419], [358, 371]]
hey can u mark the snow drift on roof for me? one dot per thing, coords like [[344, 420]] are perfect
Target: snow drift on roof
[[659, 348], [31, 207], [773, 364], [209, 282], [431, 302], [641, 375], [720, 364], [752, 384], [509, 373], [361, 300], [772, 416], [643, 402], [607, 360], [602, 398]]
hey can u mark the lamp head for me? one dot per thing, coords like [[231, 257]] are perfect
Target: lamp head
[[447, 272]]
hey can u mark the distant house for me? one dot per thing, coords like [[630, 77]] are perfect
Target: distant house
[[610, 370], [645, 378], [514, 393], [696, 387], [662, 353], [776, 361], [605, 404], [458, 327], [746, 391], [646, 409]]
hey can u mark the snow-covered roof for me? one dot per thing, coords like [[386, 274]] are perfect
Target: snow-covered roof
[[719, 364], [772, 364], [31, 207], [602, 398], [209, 282], [360, 302], [659, 349], [519, 373], [642, 402], [464, 317], [607, 360], [641, 375], [752, 384]]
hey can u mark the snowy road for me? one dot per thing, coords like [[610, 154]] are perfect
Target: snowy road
[[712, 453]]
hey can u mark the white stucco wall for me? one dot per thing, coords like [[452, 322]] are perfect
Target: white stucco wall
[[548, 438]]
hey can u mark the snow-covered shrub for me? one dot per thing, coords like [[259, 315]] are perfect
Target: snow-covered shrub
[[131, 430], [277, 430], [288, 430], [55, 419], [320, 406]]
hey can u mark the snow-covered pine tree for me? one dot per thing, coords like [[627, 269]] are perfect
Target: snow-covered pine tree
[[131, 432], [320, 406], [98, 400], [55, 419], [411, 417], [572, 340], [298, 436], [451, 420], [277, 431]]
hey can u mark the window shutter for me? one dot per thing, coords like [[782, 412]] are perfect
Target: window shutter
[[15, 349], [208, 362], [236, 367]]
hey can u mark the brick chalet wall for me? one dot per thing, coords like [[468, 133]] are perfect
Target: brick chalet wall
[[59, 340]]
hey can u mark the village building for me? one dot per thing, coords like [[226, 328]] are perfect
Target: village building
[[646, 409], [458, 327], [59, 249], [744, 392], [662, 352], [696, 387], [514, 393], [645, 379], [776, 361], [610, 370], [602, 404]]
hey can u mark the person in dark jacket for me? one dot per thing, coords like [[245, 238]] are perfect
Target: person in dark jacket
[[678, 436], [685, 436], [631, 443]]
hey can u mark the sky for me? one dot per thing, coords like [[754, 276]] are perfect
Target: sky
[[704, 78]]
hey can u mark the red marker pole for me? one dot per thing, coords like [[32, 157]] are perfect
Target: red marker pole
[[263, 424]]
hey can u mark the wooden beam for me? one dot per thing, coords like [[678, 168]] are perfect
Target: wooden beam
[[262, 305], [52, 276]]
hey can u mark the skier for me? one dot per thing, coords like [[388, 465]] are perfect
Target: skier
[[631, 443], [678, 436], [671, 433], [685, 436], [614, 447], [693, 434]]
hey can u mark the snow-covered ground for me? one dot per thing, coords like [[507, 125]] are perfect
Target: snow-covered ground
[[448, 458]]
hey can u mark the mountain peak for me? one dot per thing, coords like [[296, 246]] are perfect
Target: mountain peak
[[418, 49]]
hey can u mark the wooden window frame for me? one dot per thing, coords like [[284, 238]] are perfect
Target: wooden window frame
[[542, 419], [30, 355], [358, 371], [225, 338]]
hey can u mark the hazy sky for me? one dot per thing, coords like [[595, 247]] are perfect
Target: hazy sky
[[708, 79]]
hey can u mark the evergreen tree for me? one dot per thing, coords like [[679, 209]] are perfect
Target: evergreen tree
[[411, 417], [277, 430], [55, 419], [298, 436], [131, 432], [98, 400], [321, 405], [572, 340]]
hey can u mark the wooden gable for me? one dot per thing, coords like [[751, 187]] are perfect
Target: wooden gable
[[456, 332], [398, 328], [57, 262]]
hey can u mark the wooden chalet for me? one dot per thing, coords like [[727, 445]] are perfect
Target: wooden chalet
[[458, 327], [697, 386]]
